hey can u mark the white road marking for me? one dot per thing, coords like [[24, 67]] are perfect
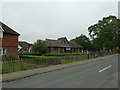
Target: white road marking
[[105, 68]]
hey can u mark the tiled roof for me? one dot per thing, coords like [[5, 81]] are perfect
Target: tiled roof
[[7, 29]]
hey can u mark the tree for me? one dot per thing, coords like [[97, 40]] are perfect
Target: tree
[[105, 33], [39, 47], [84, 41]]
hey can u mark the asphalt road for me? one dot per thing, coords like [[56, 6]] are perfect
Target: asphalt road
[[98, 74]]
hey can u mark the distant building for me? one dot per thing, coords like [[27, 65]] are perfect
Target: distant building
[[62, 45], [24, 46], [8, 41]]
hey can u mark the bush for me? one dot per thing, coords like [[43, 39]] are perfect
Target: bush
[[8, 58], [33, 56], [39, 47], [27, 53]]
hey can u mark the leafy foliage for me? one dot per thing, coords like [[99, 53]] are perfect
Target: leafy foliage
[[34, 56], [39, 47], [83, 41], [27, 53], [105, 33]]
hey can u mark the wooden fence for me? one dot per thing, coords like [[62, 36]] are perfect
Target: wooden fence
[[30, 63]]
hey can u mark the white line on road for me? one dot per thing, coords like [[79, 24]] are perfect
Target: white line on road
[[105, 68]]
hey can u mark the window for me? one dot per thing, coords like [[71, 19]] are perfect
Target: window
[[64, 41], [2, 51], [68, 48]]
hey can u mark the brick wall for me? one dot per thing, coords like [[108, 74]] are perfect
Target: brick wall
[[55, 50], [10, 43], [75, 50], [10, 40], [11, 51], [61, 50]]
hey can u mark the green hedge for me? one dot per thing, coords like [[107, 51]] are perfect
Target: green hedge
[[48, 55], [27, 53], [33, 56]]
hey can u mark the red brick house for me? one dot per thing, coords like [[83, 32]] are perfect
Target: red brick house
[[62, 45], [8, 41]]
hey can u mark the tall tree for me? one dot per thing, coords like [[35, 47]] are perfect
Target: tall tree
[[104, 34], [84, 41], [39, 47]]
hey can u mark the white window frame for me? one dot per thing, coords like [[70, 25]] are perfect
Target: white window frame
[[68, 49], [2, 51]]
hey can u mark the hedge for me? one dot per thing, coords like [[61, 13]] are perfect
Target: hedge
[[34, 56], [27, 53]]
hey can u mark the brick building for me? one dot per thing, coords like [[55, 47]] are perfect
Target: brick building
[[8, 41], [62, 45]]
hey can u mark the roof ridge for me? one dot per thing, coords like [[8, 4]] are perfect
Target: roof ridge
[[50, 40], [7, 29]]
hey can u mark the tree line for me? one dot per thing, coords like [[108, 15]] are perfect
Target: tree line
[[104, 35]]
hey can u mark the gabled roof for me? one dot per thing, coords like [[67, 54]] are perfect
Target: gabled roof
[[60, 43], [56, 43], [24, 44], [62, 38], [7, 29]]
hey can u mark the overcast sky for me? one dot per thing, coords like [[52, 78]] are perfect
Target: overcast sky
[[41, 20]]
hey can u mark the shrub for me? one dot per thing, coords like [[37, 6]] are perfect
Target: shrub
[[33, 56], [8, 58], [39, 47], [27, 53]]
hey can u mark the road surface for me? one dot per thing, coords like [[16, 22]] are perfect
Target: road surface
[[98, 74]]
